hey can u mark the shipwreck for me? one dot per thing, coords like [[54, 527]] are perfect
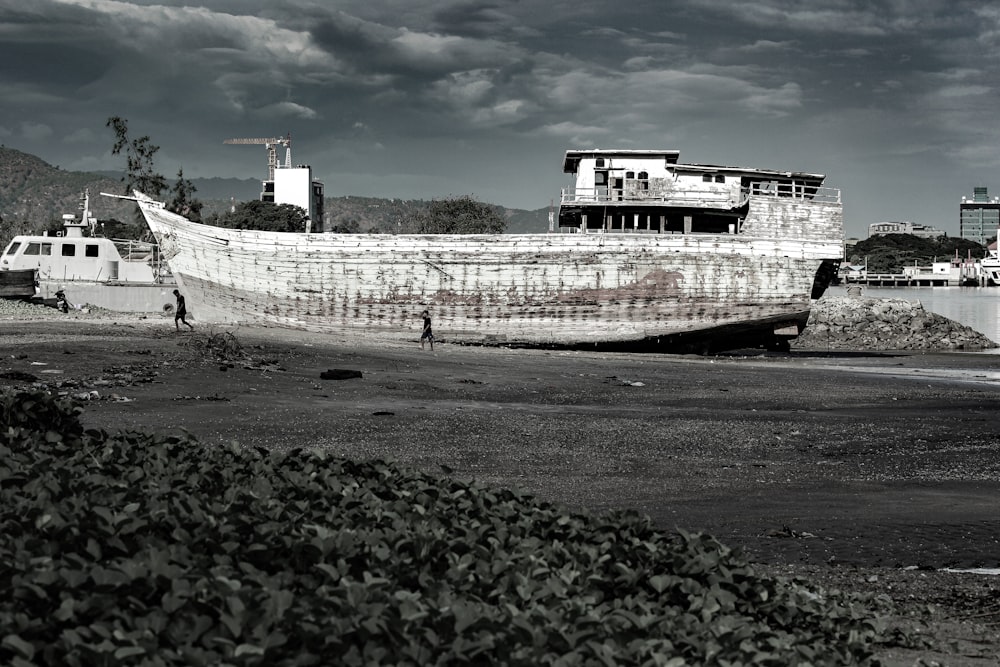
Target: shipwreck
[[645, 251]]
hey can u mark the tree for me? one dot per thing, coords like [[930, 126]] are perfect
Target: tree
[[262, 216], [140, 175], [349, 226], [183, 202], [139, 153], [113, 228], [460, 215]]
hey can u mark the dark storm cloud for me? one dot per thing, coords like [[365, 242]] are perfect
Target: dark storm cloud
[[473, 19], [396, 52], [68, 55], [428, 99]]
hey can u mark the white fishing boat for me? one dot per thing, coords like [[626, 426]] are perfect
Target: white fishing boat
[[650, 251], [989, 266], [122, 275]]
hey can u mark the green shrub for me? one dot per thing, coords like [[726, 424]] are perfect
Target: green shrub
[[136, 549]]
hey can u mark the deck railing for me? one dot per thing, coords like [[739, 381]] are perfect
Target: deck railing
[[698, 197], [821, 194], [144, 251]]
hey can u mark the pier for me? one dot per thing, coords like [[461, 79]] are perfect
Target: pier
[[955, 273], [900, 280]]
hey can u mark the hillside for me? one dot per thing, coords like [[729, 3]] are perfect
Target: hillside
[[34, 195], [372, 214], [891, 252]]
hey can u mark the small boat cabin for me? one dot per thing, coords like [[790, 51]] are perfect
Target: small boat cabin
[[650, 191]]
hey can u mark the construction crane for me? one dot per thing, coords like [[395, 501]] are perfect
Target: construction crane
[[272, 144]]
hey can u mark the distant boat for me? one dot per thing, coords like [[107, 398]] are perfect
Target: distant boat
[[125, 275], [648, 251], [990, 266]]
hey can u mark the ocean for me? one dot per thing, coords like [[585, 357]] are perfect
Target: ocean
[[976, 307]]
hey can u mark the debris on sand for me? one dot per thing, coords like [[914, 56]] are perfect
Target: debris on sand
[[340, 374]]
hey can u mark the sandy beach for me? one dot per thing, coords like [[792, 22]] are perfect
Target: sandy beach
[[871, 471]]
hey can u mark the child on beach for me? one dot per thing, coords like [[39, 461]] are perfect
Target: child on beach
[[180, 314], [427, 334]]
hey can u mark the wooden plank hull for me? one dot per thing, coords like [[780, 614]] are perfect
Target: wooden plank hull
[[538, 289]]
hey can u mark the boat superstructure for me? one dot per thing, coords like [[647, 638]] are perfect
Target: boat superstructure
[[649, 191]]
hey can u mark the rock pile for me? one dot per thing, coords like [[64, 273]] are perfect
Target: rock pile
[[865, 323], [18, 309]]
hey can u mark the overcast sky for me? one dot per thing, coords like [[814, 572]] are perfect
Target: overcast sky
[[895, 101]]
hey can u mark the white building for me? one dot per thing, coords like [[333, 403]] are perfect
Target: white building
[[904, 227], [296, 186]]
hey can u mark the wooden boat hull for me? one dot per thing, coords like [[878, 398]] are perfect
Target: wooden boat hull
[[537, 289]]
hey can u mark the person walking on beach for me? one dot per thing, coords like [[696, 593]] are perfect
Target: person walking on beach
[[426, 334], [180, 313]]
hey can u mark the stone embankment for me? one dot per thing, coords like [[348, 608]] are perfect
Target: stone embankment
[[865, 323]]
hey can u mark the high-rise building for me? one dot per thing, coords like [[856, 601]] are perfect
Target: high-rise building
[[286, 184], [296, 186], [979, 216]]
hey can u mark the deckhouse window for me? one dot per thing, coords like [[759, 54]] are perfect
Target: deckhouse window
[[719, 178], [68, 250], [599, 162], [630, 175], [12, 250], [38, 249], [707, 178], [92, 250], [643, 180]]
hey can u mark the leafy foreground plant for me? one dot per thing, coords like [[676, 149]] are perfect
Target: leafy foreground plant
[[147, 549]]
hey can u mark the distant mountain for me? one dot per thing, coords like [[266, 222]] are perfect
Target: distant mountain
[[378, 215], [34, 195], [227, 189], [215, 188], [520, 221]]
